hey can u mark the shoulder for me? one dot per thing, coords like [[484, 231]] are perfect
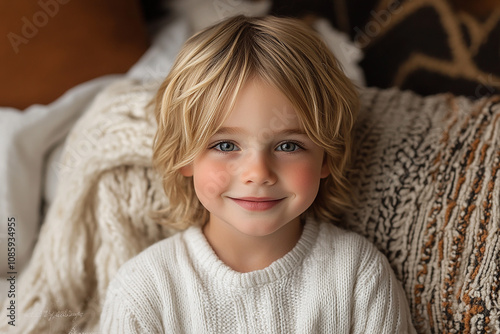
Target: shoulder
[[376, 293], [357, 256], [146, 272], [343, 242], [150, 257], [141, 289], [146, 288], [367, 262]]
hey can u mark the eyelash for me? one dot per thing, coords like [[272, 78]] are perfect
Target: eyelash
[[300, 146], [222, 142]]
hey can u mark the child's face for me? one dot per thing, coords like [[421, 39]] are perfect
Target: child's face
[[260, 171]]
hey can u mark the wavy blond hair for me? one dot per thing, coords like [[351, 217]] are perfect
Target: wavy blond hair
[[200, 91]]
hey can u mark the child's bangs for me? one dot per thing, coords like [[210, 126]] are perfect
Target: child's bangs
[[215, 99]]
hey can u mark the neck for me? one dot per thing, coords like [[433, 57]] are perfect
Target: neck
[[244, 253]]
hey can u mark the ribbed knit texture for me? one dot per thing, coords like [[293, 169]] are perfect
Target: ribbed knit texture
[[426, 176], [427, 179], [332, 281]]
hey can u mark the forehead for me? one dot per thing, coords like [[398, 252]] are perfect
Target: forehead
[[259, 105]]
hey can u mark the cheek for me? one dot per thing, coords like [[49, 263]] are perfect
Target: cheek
[[210, 179], [304, 178]]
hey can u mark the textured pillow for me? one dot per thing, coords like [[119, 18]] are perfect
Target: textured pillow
[[49, 46], [428, 182]]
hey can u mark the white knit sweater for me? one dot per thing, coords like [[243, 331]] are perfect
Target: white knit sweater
[[332, 281]]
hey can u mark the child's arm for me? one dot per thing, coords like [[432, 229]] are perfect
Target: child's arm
[[380, 304]]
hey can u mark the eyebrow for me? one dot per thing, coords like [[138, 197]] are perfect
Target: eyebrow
[[238, 130]]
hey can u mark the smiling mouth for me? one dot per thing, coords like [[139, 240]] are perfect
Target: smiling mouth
[[257, 203]]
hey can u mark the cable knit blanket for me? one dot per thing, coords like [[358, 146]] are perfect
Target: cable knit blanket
[[426, 176]]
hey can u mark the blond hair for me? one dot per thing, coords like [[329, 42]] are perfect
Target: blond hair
[[200, 91]]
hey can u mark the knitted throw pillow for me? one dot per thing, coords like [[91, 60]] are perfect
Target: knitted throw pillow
[[428, 185]]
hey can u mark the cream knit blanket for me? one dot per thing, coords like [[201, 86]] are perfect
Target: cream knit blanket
[[426, 176], [98, 219]]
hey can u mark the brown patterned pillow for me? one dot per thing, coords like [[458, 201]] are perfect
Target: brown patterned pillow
[[430, 47], [427, 176], [426, 46]]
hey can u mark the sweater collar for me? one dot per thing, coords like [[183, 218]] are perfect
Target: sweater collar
[[207, 261]]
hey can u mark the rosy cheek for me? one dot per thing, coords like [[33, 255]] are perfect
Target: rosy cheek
[[211, 178], [305, 179]]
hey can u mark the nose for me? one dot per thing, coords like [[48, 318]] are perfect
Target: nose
[[258, 169]]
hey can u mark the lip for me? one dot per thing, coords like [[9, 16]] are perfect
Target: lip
[[257, 203]]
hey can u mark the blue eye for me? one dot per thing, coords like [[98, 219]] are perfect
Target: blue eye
[[288, 147], [225, 146]]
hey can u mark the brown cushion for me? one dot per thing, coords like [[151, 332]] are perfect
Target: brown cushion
[[53, 45]]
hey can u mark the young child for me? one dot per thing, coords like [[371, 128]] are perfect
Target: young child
[[253, 140]]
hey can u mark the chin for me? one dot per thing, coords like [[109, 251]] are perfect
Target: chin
[[255, 228]]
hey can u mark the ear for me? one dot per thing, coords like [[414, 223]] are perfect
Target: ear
[[187, 170], [325, 171]]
